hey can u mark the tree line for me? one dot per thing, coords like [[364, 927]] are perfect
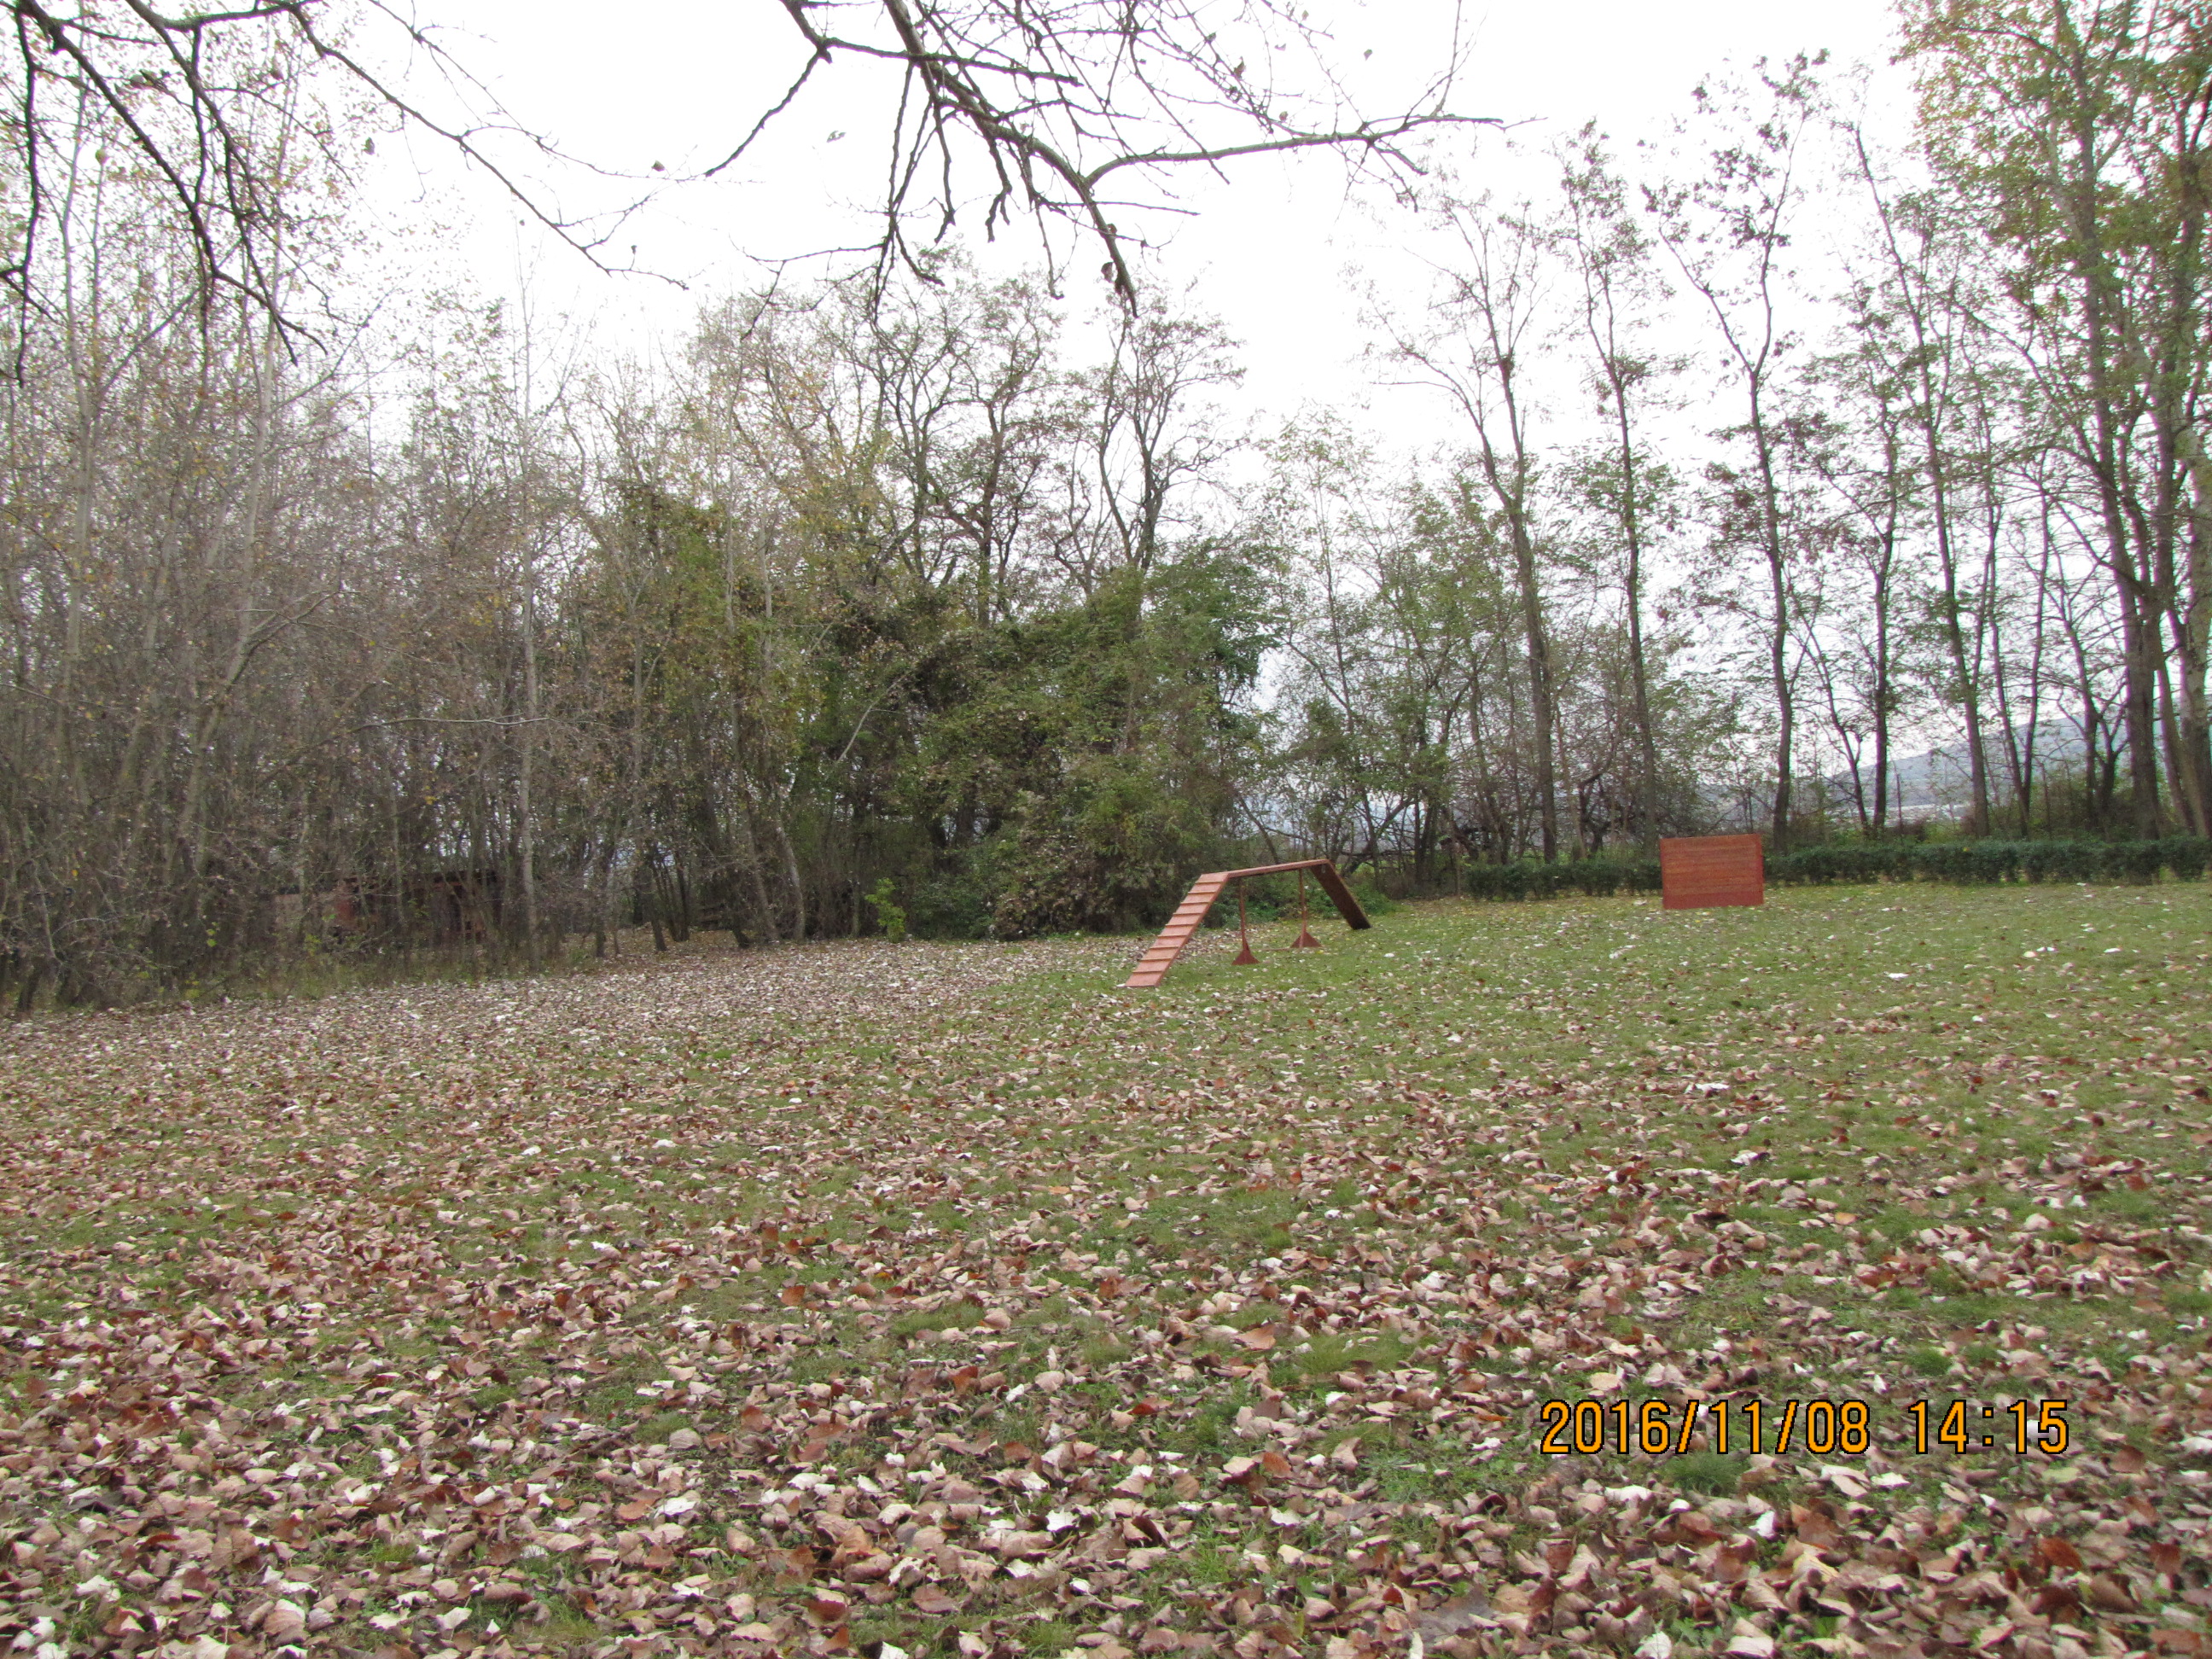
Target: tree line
[[1768, 459]]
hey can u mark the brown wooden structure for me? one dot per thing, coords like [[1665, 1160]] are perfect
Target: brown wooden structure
[[1702, 872], [1160, 956]]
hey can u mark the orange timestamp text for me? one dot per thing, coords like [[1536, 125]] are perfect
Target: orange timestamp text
[[1820, 1427]]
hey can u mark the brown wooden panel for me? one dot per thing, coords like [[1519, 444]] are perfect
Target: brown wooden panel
[[1701, 872]]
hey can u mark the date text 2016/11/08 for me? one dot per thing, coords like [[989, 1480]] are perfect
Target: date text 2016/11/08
[[1655, 1428]]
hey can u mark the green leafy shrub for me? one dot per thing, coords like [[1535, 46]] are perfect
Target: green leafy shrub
[[952, 906], [1843, 861], [890, 915], [2187, 856], [1495, 881], [1978, 862], [1598, 877], [1952, 861], [2137, 861], [1816, 866], [2059, 860]]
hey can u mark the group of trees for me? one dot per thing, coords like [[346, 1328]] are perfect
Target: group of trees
[[1945, 485], [1765, 462]]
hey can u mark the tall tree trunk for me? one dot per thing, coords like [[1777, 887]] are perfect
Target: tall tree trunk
[[1777, 644], [1639, 678], [2192, 641], [1542, 706]]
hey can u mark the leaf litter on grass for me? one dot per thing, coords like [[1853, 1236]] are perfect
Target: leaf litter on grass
[[945, 1298]]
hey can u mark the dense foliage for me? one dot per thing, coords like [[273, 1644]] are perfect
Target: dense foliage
[[945, 601]]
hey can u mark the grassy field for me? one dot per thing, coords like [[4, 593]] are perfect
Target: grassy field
[[950, 1298]]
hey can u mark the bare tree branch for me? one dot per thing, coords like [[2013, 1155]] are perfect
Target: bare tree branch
[[1063, 96], [1049, 99]]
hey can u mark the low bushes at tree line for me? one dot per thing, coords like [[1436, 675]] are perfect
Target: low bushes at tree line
[[1966, 863], [1041, 886]]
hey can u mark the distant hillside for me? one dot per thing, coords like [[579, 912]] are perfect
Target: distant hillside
[[1936, 784]]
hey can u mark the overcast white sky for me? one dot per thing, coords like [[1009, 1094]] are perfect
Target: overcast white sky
[[1278, 250]]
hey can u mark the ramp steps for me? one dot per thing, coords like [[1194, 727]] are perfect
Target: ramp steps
[[1161, 954]]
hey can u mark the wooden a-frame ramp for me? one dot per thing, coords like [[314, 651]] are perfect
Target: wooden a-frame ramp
[[1160, 956]]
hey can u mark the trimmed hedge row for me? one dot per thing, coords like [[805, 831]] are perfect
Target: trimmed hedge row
[[1596, 877], [1966, 863], [1973, 862]]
